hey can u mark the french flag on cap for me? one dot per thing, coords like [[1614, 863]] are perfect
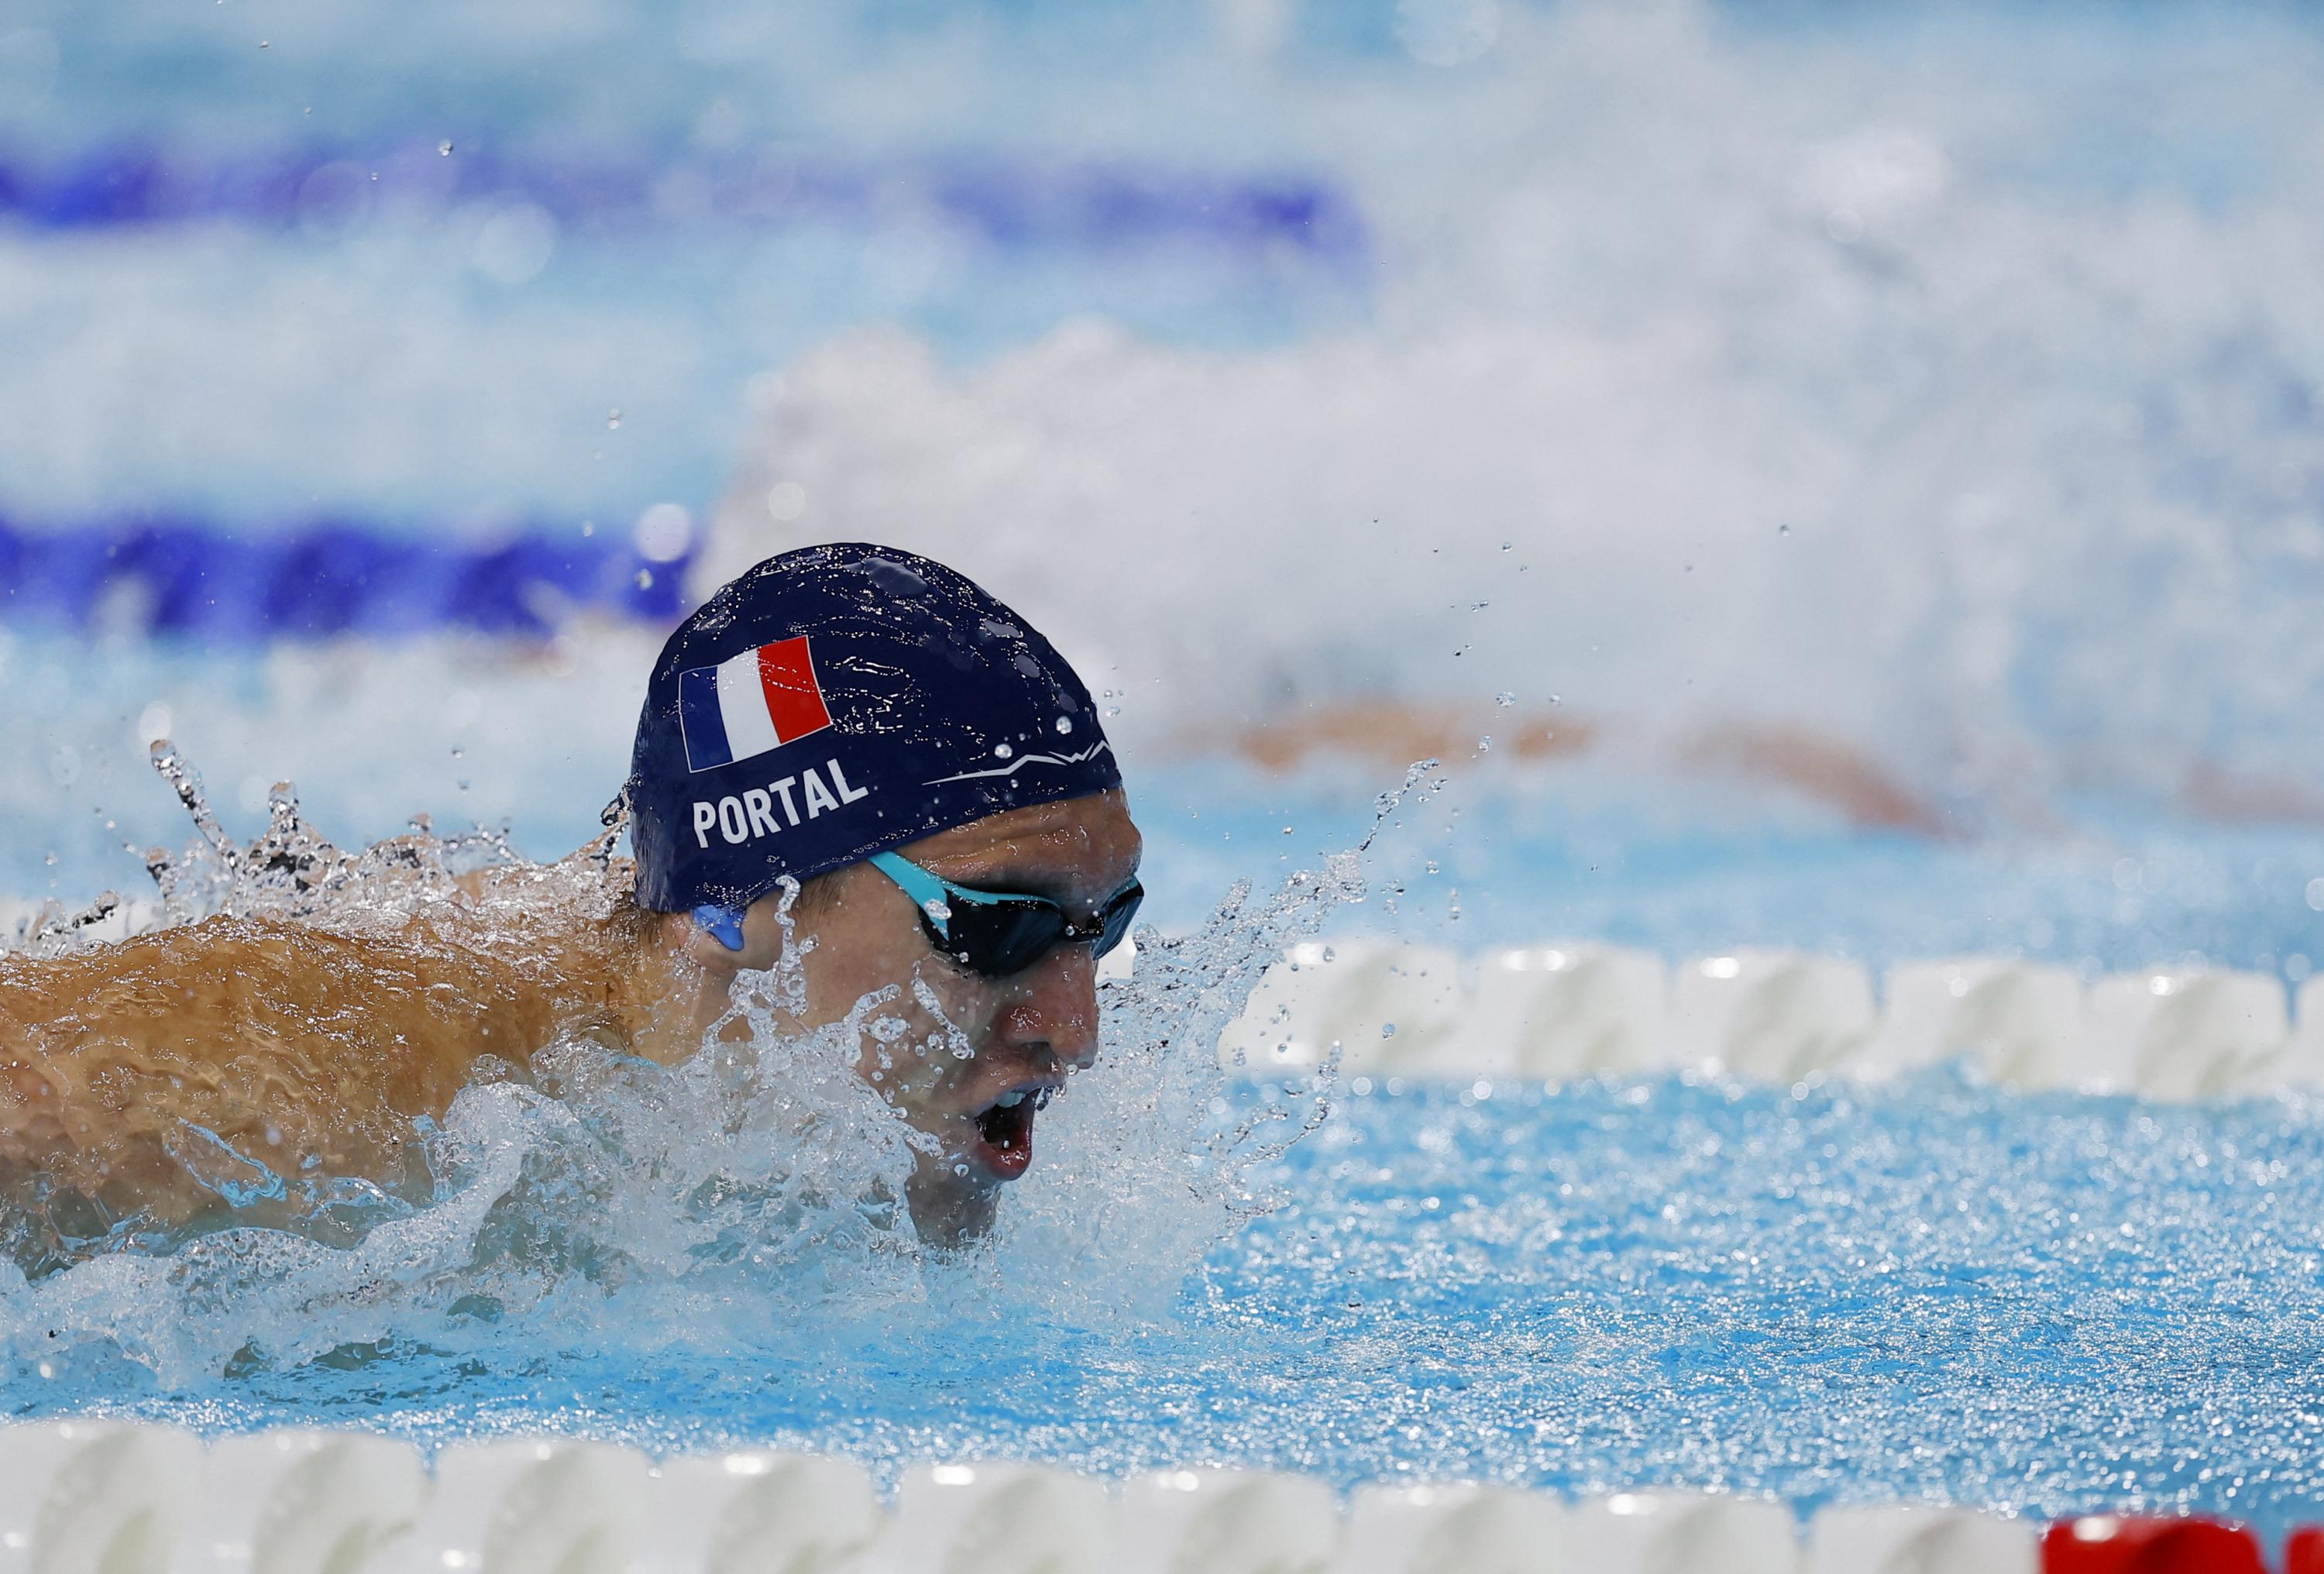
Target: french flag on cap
[[750, 703]]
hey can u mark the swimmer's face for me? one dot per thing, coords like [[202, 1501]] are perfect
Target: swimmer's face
[[1028, 1033]]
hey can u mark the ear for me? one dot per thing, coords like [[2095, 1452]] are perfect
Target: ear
[[711, 936]]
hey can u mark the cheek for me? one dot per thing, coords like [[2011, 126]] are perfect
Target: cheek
[[920, 1063], [850, 960]]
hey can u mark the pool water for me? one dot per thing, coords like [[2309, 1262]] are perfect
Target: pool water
[[1932, 1291], [1654, 370]]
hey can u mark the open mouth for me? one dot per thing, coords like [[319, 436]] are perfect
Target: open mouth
[[1003, 1143]]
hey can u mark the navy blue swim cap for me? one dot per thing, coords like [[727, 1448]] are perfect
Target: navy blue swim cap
[[833, 703]]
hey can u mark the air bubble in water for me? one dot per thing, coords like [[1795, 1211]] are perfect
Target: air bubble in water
[[1505, 699], [1001, 751], [1065, 724], [444, 148], [613, 420], [1387, 1030], [645, 579]]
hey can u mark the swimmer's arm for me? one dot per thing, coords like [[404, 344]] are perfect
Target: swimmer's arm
[[303, 1049]]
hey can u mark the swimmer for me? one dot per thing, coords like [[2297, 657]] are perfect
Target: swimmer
[[856, 723]]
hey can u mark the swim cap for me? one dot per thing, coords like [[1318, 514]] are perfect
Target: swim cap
[[835, 702]]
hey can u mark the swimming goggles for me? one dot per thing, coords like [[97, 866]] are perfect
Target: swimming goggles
[[999, 933]]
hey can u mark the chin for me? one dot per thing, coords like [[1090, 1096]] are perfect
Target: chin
[[948, 1210]]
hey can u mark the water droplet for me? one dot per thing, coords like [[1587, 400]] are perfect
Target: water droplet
[[786, 501], [459, 752], [1387, 1030], [613, 420], [1506, 545], [588, 526], [1065, 724], [445, 147], [1783, 529], [1505, 699], [1113, 710], [961, 1170], [1001, 751], [1485, 744], [645, 579]]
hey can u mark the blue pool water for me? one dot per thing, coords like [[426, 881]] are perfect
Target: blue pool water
[[1930, 1291], [1943, 389]]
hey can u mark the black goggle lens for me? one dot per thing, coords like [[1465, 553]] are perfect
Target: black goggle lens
[[997, 939]]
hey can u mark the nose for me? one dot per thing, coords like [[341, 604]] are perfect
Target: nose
[[1055, 1006]]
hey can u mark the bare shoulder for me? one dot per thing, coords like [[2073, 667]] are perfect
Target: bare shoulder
[[297, 1048], [402, 1016], [206, 966]]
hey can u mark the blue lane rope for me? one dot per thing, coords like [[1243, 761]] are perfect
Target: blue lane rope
[[1069, 204], [184, 576]]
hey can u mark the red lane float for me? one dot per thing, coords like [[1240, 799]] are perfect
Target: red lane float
[[2304, 1552], [2106, 1544]]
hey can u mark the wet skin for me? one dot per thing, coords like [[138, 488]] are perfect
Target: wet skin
[[311, 1051], [1030, 1032]]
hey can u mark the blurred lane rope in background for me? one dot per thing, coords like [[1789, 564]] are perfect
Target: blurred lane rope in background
[[1905, 429]]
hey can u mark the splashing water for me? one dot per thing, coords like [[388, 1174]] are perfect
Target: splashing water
[[752, 1186]]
